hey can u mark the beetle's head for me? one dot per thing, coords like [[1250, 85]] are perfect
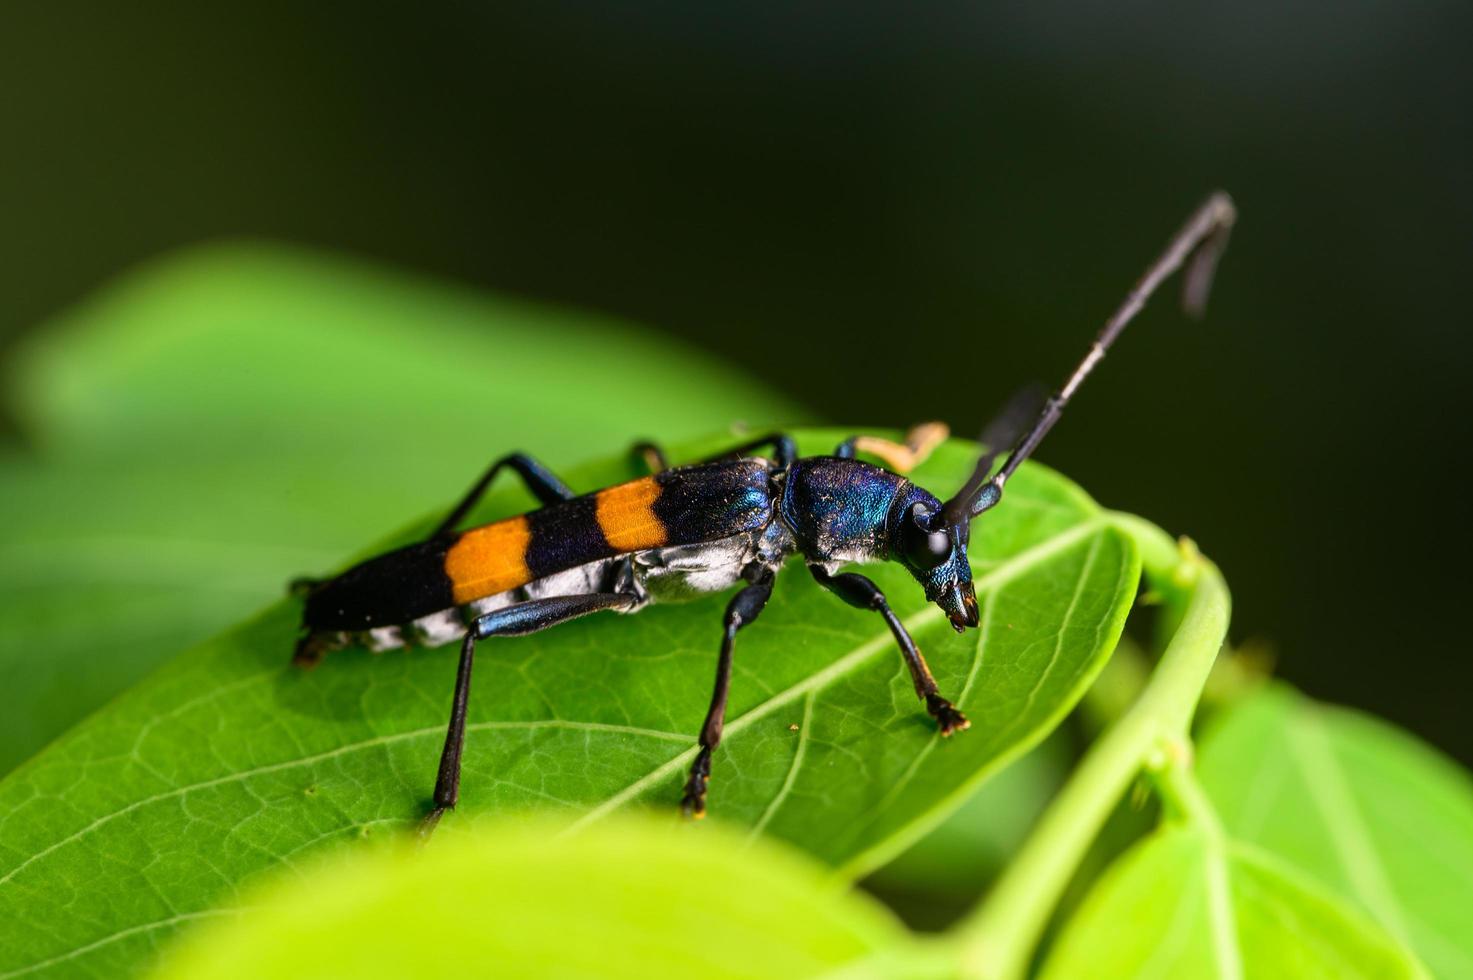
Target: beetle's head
[[930, 537], [935, 552]]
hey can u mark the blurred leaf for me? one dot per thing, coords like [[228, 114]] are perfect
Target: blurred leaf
[[220, 420], [1371, 812], [628, 899], [1118, 687], [228, 762], [935, 881], [250, 348], [1185, 904]]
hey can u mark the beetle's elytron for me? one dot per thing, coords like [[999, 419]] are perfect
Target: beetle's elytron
[[689, 530]]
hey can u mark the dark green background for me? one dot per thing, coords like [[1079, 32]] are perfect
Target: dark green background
[[865, 204]]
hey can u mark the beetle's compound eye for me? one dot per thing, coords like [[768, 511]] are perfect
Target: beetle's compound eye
[[923, 547]]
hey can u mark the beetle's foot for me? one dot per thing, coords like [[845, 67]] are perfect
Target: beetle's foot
[[430, 822], [947, 716], [693, 803], [316, 644]]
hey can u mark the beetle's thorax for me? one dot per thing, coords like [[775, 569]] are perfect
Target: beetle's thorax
[[845, 510]]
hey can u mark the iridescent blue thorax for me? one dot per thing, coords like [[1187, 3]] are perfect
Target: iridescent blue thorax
[[840, 509], [845, 510]]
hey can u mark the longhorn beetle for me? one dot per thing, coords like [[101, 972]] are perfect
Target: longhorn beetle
[[688, 530]]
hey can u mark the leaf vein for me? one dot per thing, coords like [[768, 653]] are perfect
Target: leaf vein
[[115, 937], [793, 767], [379, 741], [1326, 781]]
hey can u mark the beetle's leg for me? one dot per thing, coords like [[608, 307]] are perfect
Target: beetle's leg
[[744, 607], [519, 620], [902, 457], [317, 644], [784, 450], [538, 478], [447, 783], [651, 455], [861, 593]]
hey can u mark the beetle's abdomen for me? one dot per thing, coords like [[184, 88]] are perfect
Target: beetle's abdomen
[[685, 506], [388, 590]]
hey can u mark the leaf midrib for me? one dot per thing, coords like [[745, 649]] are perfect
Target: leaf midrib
[[108, 940], [1338, 808], [805, 727], [1222, 921]]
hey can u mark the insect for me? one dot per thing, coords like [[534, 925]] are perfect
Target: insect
[[689, 530]]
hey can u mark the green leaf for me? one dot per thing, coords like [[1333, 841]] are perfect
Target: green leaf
[[1184, 903], [229, 762], [1371, 812], [220, 417], [249, 348], [938, 879], [628, 899], [942, 874]]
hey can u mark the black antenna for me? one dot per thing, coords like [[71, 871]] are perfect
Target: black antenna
[[1001, 432], [1201, 240]]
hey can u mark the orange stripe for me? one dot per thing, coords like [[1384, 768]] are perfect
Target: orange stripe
[[626, 518], [490, 559]]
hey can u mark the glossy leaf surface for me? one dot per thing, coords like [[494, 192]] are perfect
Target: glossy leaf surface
[[228, 762]]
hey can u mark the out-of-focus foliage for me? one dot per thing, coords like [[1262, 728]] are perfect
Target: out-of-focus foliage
[[630, 899], [216, 422], [1322, 842], [947, 870], [1185, 904], [1371, 812]]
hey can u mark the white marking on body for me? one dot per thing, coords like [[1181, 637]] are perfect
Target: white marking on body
[[674, 574], [687, 571]]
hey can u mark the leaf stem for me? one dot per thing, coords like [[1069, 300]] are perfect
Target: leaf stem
[[1177, 786], [998, 938]]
